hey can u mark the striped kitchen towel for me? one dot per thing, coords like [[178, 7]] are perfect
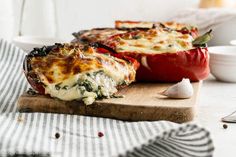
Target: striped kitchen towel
[[58, 135]]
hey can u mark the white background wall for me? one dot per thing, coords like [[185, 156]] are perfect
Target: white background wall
[[6, 19], [100, 13], [73, 15]]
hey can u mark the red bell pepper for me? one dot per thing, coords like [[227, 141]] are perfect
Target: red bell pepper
[[172, 67]]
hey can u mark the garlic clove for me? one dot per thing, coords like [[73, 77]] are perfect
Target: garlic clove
[[181, 90]]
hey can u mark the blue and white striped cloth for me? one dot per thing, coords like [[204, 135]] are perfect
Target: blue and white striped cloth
[[58, 135]]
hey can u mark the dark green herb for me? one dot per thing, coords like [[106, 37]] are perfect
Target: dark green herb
[[120, 49], [107, 54], [79, 34], [98, 72], [65, 87], [165, 28], [124, 83], [87, 85], [86, 47], [136, 37], [82, 89], [57, 86], [74, 85], [117, 96], [43, 51], [31, 92], [88, 74], [99, 92]]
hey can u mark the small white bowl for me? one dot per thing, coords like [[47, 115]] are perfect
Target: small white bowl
[[223, 63], [233, 42], [28, 43]]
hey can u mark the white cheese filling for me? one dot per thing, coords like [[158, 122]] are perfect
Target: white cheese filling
[[85, 86]]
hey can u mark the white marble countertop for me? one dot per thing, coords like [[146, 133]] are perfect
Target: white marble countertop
[[218, 99]]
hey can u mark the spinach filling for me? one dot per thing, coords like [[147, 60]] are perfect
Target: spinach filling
[[93, 85]]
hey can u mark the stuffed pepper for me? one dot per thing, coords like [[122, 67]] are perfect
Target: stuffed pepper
[[77, 72], [165, 55]]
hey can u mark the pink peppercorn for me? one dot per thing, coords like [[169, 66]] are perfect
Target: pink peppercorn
[[100, 134]]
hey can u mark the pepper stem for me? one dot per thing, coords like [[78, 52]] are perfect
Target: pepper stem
[[203, 39]]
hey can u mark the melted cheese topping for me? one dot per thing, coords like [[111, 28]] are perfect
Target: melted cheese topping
[[70, 73], [175, 25], [152, 41]]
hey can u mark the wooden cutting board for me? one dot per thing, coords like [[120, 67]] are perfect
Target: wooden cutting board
[[141, 102]]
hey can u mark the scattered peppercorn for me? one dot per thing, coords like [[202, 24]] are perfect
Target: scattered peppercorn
[[20, 119], [225, 126], [100, 134], [57, 135]]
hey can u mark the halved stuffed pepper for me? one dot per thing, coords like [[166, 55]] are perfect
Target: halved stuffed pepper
[[75, 72], [165, 55]]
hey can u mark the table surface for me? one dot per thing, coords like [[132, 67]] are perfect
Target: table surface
[[218, 99]]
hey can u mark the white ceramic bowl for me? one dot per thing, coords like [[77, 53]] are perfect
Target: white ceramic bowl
[[223, 63], [27, 43], [233, 42]]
